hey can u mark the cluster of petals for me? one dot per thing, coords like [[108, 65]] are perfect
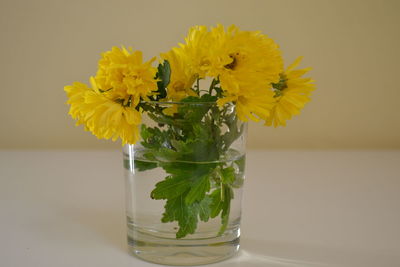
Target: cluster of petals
[[108, 107], [245, 64]]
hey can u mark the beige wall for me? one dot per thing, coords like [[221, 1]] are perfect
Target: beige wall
[[353, 47]]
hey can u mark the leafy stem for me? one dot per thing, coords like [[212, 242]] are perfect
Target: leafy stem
[[189, 146]]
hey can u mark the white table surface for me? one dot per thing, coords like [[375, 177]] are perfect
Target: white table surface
[[301, 208]]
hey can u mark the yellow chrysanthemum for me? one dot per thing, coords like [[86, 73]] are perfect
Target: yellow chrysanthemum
[[233, 56], [243, 59], [126, 74], [182, 77], [196, 50], [292, 94], [243, 62], [254, 104], [108, 108], [104, 117], [76, 99]]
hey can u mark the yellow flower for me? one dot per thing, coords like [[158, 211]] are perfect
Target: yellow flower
[[255, 104], [76, 100], [196, 49], [126, 74], [244, 62], [234, 57], [243, 59], [182, 77], [104, 117], [292, 93], [108, 109]]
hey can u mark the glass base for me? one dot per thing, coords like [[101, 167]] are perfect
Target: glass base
[[183, 252]]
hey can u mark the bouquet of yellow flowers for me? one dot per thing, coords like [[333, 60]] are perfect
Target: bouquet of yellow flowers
[[246, 68], [240, 68]]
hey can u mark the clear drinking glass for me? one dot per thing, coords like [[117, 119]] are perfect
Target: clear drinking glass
[[192, 142]]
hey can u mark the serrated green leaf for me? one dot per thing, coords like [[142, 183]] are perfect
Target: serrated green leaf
[[226, 207], [198, 190], [171, 210], [204, 208], [144, 165], [171, 187], [163, 75], [234, 132], [186, 215], [163, 119], [144, 132], [228, 175], [188, 222], [216, 203]]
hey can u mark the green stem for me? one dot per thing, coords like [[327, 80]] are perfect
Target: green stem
[[212, 85], [198, 86]]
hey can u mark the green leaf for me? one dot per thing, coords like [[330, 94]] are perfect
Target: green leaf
[[144, 165], [228, 175], [139, 165], [204, 208], [226, 207], [198, 148], [185, 191], [163, 75], [221, 203], [216, 203], [234, 132], [192, 112], [144, 132], [187, 225], [198, 190], [164, 119], [188, 169], [202, 99], [186, 215], [171, 187]]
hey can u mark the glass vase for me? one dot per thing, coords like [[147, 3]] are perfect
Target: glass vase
[[184, 183]]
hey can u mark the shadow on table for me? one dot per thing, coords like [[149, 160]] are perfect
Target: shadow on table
[[253, 253], [256, 253]]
